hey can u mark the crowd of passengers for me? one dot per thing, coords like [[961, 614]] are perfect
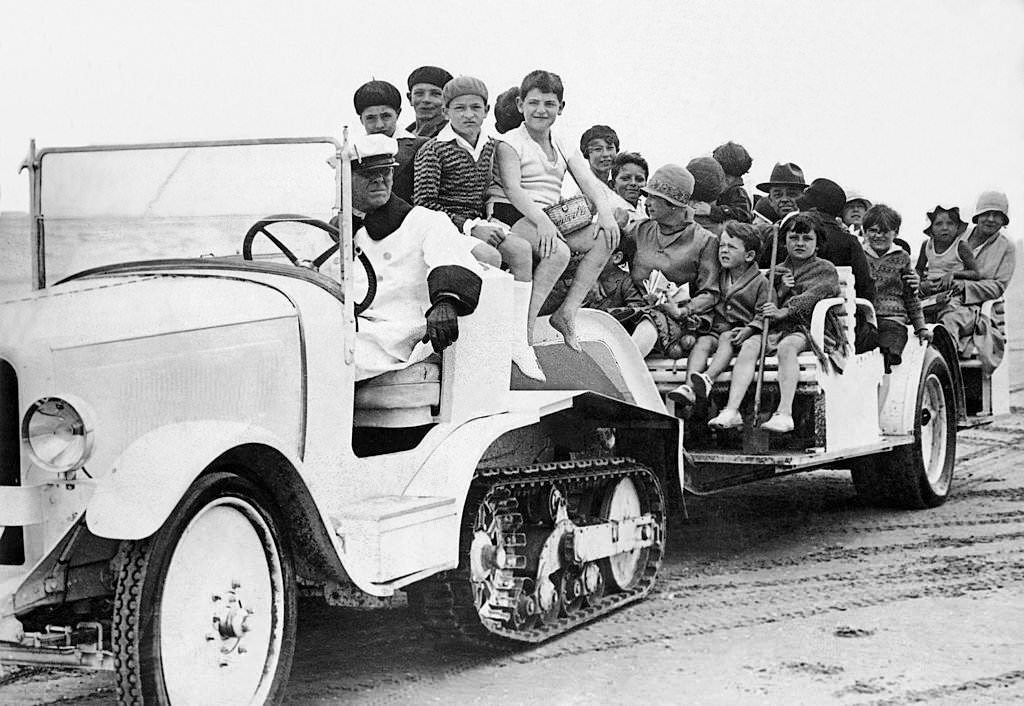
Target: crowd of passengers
[[454, 196]]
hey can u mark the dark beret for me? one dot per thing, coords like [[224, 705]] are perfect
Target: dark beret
[[374, 93], [434, 75]]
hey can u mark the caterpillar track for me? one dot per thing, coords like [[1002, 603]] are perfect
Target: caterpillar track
[[546, 548]]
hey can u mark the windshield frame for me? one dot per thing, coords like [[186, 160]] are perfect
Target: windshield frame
[[34, 163]]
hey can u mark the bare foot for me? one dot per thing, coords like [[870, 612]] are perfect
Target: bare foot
[[565, 325]]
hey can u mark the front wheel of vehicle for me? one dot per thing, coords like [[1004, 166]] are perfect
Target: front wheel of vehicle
[[207, 605]]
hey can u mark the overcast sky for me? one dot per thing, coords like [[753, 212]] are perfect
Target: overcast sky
[[909, 102]]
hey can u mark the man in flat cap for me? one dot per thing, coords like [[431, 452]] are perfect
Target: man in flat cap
[[425, 86], [426, 274], [378, 104]]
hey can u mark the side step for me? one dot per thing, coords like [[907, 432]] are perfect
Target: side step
[[710, 471]]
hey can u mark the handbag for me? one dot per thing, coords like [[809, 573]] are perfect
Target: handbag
[[572, 214]]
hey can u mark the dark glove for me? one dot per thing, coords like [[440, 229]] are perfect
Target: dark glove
[[442, 325], [718, 214]]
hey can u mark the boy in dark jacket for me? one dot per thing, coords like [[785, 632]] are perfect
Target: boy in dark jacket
[[733, 204], [734, 319]]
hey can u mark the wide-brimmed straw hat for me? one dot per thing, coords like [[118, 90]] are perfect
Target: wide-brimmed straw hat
[[784, 174], [953, 211], [672, 183]]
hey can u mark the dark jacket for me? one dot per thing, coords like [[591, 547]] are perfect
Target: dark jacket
[[765, 209], [407, 148], [732, 205]]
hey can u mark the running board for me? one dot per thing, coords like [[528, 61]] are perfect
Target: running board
[[711, 471]]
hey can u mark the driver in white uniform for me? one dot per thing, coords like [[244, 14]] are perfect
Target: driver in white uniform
[[426, 273]]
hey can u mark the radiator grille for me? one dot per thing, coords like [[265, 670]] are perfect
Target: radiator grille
[[12, 541]]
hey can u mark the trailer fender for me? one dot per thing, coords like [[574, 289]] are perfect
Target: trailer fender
[[153, 473], [897, 414]]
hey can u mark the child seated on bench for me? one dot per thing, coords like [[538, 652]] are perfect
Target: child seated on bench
[[743, 290], [802, 280], [896, 301], [945, 257]]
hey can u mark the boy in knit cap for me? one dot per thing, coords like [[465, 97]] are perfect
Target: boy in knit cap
[[453, 172], [733, 204], [378, 104], [425, 85], [896, 302]]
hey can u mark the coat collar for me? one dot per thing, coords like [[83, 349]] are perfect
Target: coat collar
[[387, 219], [745, 278]]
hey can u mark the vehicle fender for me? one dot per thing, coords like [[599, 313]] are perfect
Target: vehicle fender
[[153, 473], [449, 470], [897, 415]]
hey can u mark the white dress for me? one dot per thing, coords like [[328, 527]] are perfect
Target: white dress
[[390, 330]]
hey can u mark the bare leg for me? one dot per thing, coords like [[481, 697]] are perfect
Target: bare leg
[[645, 335], [723, 355], [597, 255], [789, 371], [697, 361], [546, 271], [743, 371], [487, 254], [517, 253]]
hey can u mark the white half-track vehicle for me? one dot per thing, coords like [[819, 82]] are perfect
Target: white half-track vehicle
[[183, 445]]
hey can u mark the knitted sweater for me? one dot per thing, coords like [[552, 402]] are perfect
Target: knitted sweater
[[448, 179], [814, 279], [894, 298]]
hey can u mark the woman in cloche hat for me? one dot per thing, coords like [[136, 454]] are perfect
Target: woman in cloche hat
[[685, 252], [995, 259]]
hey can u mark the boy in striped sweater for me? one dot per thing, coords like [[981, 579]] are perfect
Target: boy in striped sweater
[[896, 301], [452, 173]]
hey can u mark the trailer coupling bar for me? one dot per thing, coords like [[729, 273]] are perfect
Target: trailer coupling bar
[[60, 646]]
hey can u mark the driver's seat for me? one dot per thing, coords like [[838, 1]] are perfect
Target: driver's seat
[[401, 398]]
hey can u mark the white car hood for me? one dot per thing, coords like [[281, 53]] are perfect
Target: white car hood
[[111, 308]]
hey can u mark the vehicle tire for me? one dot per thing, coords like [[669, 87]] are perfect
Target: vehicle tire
[[868, 479], [918, 475], [207, 605]]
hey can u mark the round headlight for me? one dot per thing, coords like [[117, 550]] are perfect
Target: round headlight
[[57, 434]]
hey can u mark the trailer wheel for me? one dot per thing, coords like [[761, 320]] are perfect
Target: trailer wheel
[[207, 605], [918, 475]]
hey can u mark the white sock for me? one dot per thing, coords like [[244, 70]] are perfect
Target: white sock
[[521, 293]]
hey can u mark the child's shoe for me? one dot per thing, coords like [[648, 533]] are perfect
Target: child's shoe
[[526, 360], [683, 395], [779, 423], [727, 419], [700, 383]]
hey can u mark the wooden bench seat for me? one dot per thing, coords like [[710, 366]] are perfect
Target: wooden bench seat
[[669, 373]]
